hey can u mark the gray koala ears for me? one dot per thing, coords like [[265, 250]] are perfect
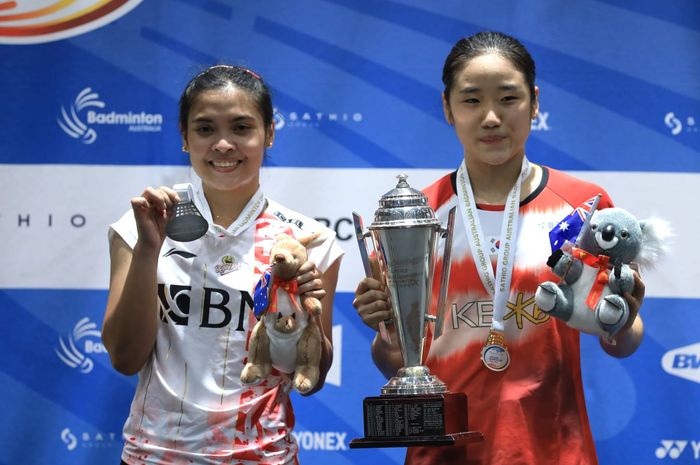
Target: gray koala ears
[[656, 241]]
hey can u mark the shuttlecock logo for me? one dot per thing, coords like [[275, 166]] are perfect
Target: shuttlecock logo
[[70, 120], [70, 351]]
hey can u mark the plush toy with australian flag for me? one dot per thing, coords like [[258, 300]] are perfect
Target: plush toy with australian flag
[[592, 251]]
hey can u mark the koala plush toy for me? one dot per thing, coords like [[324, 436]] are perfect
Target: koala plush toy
[[596, 273], [286, 335]]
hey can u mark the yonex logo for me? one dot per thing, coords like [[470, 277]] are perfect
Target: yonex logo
[[683, 362], [72, 355], [539, 123], [71, 123], [673, 449]]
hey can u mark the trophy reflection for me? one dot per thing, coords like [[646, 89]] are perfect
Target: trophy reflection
[[415, 407]]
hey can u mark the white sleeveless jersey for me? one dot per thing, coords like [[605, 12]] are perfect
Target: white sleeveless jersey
[[190, 406]]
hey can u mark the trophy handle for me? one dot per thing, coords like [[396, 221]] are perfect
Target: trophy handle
[[446, 261], [360, 236]]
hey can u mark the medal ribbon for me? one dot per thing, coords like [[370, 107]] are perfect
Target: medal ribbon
[[601, 279], [497, 286], [289, 286], [247, 217], [250, 212]]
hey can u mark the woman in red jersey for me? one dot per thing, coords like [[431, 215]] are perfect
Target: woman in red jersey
[[532, 411]]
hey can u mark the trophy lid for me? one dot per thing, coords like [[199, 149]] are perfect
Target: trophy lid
[[403, 206]]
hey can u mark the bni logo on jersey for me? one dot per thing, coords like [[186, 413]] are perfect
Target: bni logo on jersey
[[683, 362], [87, 111], [74, 349], [38, 21]]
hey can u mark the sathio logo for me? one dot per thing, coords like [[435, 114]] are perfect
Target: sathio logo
[[38, 21], [313, 119], [73, 349], [683, 362], [69, 439], [99, 439], [79, 119], [677, 126]]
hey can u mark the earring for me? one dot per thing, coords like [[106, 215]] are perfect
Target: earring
[[184, 149], [269, 144]]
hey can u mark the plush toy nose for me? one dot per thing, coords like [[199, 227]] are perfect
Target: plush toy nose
[[608, 232]]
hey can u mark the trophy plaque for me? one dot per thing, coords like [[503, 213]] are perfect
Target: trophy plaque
[[414, 408]]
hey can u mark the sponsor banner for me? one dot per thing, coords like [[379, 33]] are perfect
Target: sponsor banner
[[88, 112], [684, 450], [683, 362], [82, 402], [68, 228]]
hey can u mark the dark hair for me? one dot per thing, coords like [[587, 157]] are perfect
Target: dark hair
[[488, 42], [221, 76]]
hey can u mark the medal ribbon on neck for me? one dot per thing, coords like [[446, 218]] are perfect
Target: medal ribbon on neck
[[250, 212], [245, 219], [497, 286]]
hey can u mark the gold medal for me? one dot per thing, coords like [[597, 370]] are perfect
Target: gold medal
[[495, 353]]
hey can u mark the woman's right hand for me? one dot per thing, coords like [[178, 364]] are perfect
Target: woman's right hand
[[372, 302], [152, 210]]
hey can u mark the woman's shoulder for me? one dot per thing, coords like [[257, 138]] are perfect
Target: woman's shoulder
[[301, 224], [572, 189], [441, 190], [125, 227], [324, 250]]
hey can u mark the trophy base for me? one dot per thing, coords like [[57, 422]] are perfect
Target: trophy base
[[415, 441], [414, 381], [415, 420]]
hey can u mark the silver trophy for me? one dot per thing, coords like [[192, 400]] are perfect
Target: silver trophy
[[404, 237]]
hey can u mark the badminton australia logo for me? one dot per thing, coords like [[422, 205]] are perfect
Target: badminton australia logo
[[74, 349], [81, 118]]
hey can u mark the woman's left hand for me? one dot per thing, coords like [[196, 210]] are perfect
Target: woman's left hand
[[309, 281], [634, 299], [628, 339]]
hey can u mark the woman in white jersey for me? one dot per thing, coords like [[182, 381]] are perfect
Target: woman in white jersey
[[180, 313], [530, 407]]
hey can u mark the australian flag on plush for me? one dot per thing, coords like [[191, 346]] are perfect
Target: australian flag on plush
[[570, 226], [261, 295]]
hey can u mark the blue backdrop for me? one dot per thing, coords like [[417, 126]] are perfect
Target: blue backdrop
[[89, 99]]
